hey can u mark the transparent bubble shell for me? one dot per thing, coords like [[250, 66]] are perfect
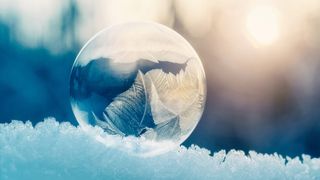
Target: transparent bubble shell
[[142, 82]]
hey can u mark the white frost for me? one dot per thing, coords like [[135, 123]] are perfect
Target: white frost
[[51, 150]]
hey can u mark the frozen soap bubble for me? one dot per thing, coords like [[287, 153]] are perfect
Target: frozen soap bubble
[[142, 81]]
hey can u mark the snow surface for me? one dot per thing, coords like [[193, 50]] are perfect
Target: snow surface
[[53, 150]]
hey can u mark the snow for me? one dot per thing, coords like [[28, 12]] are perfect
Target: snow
[[52, 150]]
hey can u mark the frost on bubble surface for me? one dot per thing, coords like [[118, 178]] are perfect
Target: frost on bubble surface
[[139, 79], [61, 151]]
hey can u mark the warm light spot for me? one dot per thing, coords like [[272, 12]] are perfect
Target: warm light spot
[[263, 25]]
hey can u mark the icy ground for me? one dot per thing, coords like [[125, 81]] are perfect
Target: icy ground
[[53, 150]]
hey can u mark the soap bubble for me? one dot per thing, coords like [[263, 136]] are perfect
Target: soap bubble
[[142, 81]]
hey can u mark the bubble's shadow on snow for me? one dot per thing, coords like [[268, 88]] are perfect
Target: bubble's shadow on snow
[[61, 151]]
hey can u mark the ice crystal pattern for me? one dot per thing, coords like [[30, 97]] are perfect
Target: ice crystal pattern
[[139, 79]]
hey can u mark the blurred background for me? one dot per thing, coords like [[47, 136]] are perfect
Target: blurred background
[[261, 58]]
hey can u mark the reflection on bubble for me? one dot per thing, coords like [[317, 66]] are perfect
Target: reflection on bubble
[[139, 80]]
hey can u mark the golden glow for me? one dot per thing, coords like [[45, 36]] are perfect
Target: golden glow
[[262, 24]]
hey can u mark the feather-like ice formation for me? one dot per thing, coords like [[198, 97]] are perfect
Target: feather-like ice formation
[[129, 111], [141, 111], [53, 150]]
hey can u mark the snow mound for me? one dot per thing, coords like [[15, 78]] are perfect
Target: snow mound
[[53, 150]]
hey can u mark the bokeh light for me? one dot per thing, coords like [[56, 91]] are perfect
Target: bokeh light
[[263, 24]]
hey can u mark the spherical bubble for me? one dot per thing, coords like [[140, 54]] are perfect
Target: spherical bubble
[[142, 81]]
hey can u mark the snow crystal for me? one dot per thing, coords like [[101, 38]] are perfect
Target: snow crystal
[[53, 150]]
